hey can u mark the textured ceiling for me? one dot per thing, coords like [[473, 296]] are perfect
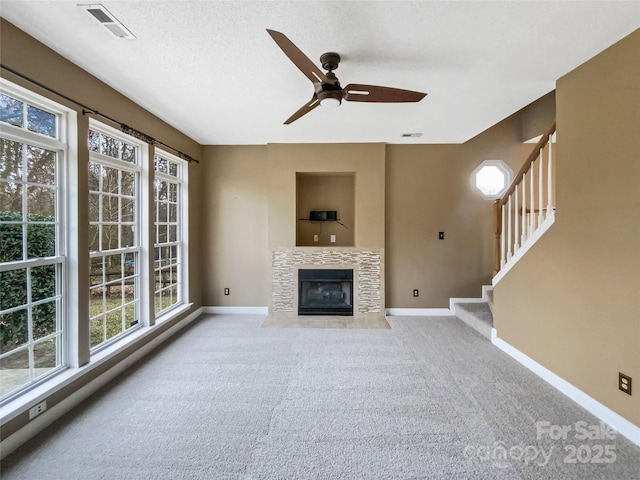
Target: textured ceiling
[[210, 69]]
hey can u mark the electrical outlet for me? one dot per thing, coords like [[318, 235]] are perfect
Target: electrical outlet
[[415, 292], [226, 291], [624, 383], [37, 410], [333, 239], [315, 238]]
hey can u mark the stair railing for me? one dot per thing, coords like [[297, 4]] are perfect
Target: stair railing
[[527, 205]]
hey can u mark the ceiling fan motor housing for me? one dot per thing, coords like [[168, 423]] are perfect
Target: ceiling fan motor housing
[[329, 60]]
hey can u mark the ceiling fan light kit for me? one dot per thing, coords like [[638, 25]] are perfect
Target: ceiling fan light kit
[[330, 98], [327, 89]]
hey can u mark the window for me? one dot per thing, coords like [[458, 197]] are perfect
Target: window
[[33, 148], [137, 240], [491, 178], [169, 194], [114, 233]]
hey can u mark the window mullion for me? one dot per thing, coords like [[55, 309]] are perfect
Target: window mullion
[[32, 262], [23, 200], [108, 161], [114, 251], [18, 134], [30, 325]]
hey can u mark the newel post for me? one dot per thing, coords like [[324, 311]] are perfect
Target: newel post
[[497, 230]]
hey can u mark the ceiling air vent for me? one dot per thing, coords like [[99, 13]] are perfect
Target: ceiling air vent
[[108, 21], [405, 135]]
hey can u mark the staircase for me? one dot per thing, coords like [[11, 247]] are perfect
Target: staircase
[[475, 312], [527, 209], [477, 315], [523, 214]]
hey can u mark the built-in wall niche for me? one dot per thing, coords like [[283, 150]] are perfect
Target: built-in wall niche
[[320, 192]]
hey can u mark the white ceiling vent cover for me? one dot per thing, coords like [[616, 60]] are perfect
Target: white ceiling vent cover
[[108, 21]]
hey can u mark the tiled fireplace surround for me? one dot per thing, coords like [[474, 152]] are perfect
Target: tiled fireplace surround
[[368, 277]]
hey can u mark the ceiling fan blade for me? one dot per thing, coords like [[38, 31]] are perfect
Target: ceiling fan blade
[[304, 110], [355, 92], [298, 58]]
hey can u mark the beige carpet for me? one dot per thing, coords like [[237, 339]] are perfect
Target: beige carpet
[[428, 398], [325, 321]]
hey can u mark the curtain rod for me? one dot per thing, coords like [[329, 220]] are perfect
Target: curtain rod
[[92, 111]]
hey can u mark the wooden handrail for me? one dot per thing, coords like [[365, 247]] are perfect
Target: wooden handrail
[[527, 164]]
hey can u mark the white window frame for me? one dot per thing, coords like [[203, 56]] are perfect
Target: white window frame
[[181, 179], [500, 165], [62, 145], [141, 249]]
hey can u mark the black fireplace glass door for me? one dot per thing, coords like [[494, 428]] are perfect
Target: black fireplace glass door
[[325, 292]]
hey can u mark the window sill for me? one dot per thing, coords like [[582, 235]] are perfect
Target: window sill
[[41, 392], [173, 312]]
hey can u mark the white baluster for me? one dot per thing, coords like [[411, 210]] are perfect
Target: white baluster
[[532, 202], [516, 219], [503, 239], [550, 179], [524, 209], [540, 190], [509, 243]]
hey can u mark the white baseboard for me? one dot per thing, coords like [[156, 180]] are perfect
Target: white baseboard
[[437, 312], [45, 419], [494, 335], [418, 312], [453, 301], [604, 413], [485, 290], [236, 310]]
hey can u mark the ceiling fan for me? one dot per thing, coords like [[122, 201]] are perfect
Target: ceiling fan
[[328, 91]]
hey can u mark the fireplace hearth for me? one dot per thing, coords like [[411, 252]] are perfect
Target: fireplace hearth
[[325, 292]]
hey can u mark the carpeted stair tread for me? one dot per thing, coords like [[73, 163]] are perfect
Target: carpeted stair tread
[[477, 315]]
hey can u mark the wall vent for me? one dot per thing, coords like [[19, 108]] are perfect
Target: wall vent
[[108, 21], [417, 134]]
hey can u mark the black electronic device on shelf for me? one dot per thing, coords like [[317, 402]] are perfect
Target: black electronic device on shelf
[[323, 216]]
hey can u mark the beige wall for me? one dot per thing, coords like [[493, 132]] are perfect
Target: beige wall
[[235, 226], [330, 191], [572, 303], [537, 116], [429, 190], [415, 190], [365, 160], [250, 204]]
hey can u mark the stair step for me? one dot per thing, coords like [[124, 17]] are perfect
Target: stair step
[[477, 315], [490, 299]]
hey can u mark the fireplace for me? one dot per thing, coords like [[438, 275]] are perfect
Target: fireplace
[[325, 292]]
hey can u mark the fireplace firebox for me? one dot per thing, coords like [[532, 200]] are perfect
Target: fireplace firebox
[[325, 292]]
